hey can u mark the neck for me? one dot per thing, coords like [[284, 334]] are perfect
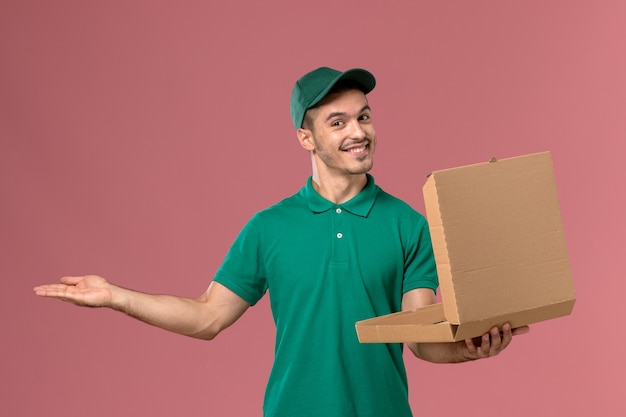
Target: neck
[[337, 188]]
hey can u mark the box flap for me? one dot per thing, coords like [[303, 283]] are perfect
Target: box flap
[[426, 324], [498, 238]]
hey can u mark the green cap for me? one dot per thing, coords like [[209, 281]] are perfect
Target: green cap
[[314, 86]]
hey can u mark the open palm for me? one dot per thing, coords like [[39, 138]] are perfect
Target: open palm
[[89, 290]]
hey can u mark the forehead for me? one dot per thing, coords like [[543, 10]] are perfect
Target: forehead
[[343, 97], [346, 101]]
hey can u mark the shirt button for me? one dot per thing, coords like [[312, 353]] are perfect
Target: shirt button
[[339, 235], [338, 211]]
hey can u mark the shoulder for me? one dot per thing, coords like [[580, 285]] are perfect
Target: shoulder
[[392, 205], [289, 207]]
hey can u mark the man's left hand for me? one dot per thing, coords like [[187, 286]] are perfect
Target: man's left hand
[[489, 344]]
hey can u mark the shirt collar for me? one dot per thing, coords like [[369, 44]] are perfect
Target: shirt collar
[[361, 204]]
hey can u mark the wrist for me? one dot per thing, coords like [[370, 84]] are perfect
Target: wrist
[[120, 299]]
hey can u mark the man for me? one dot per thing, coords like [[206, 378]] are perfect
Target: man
[[338, 251]]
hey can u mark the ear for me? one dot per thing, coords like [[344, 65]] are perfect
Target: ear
[[305, 137]]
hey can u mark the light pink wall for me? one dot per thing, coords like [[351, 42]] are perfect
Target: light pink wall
[[138, 137]]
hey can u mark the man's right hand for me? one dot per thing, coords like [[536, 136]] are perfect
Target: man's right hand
[[89, 291]]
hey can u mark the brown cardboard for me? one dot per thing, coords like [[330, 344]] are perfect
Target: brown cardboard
[[500, 252]]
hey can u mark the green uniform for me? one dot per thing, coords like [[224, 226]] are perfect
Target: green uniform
[[327, 266]]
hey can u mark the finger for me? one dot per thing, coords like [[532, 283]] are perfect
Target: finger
[[63, 294], [47, 290], [496, 341], [471, 347], [482, 351], [507, 336]]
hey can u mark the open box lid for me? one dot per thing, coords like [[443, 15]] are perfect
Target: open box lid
[[500, 251]]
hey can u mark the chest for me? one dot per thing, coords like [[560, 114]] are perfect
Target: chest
[[336, 251]]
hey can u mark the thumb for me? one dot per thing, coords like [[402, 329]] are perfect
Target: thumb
[[70, 280]]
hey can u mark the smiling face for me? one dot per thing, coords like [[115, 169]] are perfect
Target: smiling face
[[340, 134]]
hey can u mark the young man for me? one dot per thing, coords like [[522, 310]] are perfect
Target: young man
[[338, 251]]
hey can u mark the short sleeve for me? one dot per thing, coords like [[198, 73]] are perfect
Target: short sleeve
[[420, 270], [243, 271]]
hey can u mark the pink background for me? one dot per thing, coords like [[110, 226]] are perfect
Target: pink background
[[138, 137]]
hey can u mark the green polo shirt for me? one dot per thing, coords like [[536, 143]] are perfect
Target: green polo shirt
[[327, 266]]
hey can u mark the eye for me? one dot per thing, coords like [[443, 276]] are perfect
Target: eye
[[364, 117], [337, 123]]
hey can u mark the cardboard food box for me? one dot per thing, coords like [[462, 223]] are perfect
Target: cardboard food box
[[500, 251]]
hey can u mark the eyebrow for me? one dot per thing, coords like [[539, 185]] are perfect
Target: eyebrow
[[339, 113]]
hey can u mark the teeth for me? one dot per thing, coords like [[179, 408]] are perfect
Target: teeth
[[356, 150]]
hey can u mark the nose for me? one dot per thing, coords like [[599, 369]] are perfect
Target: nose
[[356, 130]]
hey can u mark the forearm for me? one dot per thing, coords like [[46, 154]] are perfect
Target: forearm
[[439, 352], [431, 352], [187, 316], [488, 345]]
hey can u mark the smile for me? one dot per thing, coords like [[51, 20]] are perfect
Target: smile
[[357, 149]]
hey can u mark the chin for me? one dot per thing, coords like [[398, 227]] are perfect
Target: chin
[[363, 169]]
